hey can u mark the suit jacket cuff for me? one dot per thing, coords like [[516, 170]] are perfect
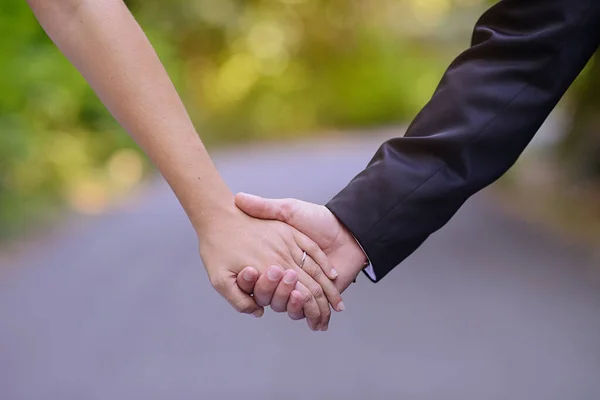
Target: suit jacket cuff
[[382, 257]]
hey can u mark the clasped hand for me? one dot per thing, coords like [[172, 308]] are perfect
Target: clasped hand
[[253, 258]]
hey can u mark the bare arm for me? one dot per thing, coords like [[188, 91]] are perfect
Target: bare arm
[[108, 47], [105, 43]]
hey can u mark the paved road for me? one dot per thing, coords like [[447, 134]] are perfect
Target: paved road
[[118, 307]]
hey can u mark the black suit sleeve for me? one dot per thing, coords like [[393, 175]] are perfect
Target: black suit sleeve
[[487, 107]]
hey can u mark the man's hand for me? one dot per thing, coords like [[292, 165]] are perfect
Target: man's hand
[[316, 222], [234, 240]]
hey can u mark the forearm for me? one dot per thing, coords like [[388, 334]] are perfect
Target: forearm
[[488, 106], [108, 47]]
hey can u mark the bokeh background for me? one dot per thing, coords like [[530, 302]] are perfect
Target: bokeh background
[[251, 70], [341, 75]]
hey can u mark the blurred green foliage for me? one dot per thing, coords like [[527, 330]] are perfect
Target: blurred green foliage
[[258, 69], [580, 148], [246, 70]]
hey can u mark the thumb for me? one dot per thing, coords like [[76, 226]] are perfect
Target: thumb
[[247, 279], [243, 302], [315, 221], [259, 207]]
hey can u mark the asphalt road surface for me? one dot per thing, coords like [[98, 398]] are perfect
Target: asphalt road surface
[[118, 307]]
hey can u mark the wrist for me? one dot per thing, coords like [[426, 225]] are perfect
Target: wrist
[[213, 216], [356, 256], [359, 253], [355, 249]]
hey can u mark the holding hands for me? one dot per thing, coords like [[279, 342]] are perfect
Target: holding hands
[[281, 251], [335, 260], [235, 240]]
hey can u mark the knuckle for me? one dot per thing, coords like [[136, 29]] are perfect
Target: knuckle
[[312, 311], [315, 271], [286, 211], [282, 255], [313, 314], [312, 247], [278, 308], [243, 307], [296, 315], [317, 292], [262, 302]]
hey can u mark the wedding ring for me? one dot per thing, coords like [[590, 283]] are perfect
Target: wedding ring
[[303, 259]]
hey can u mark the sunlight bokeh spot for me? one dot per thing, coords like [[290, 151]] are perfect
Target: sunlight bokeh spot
[[125, 168], [429, 13], [88, 197], [216, 12], [237, 77], [267, 40]]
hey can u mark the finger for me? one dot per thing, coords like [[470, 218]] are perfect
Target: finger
[[242, 302], [314, 220], [317, 295], [266, 285], [295, 305], [246, 279], [313, 250], [311, 308], [259, 207], [284, 290], [331, 292]]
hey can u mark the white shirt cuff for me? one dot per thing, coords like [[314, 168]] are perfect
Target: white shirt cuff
[[369, 270]]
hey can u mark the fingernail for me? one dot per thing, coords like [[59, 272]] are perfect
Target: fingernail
[[289, 277], [274, 273], [258, 313], [325, 328], [334, 273], [341, 306], [248, 276]]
